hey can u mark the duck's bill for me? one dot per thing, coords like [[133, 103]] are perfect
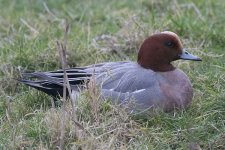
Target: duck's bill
[[188, 56]]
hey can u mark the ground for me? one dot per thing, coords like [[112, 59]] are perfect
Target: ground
[[102, 30]]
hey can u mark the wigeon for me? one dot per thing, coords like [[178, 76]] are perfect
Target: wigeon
[[152, 81]]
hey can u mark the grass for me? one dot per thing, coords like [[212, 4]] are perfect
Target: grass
[[28, 31]]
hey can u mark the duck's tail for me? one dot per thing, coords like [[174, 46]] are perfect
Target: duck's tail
[[51, 83]]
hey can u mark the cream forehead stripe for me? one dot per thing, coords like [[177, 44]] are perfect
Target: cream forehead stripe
[[172, 34]]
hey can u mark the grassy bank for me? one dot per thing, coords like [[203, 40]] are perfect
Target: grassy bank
[[109, 31]]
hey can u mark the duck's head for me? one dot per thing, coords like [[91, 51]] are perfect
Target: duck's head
[[160, 49]]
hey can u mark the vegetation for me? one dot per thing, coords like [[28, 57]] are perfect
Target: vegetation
[[102, 30]]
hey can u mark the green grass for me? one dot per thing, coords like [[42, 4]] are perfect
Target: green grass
[[28, 32]]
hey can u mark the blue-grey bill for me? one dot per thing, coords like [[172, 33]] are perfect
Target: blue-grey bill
[[188, 56]]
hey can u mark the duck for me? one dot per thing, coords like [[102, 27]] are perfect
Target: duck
[[152, 81]]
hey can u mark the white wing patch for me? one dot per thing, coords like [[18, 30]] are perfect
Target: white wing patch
[[138, 91]]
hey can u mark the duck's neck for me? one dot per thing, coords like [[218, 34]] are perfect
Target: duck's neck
[[157, 67]]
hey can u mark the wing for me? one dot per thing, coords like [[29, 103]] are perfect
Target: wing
[[52, 82], [130, 81], [129, 77]]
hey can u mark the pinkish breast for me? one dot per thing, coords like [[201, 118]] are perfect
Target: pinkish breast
[[177, 89]]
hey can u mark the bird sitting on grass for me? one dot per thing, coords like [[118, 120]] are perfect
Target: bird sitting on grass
[[152, 81]]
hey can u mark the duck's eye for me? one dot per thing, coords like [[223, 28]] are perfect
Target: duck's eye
[[169, 44]]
